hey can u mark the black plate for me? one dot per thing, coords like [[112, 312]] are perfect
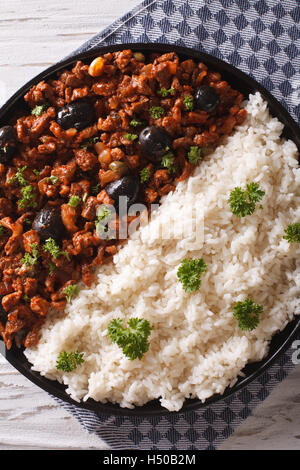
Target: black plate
[[280, 341]]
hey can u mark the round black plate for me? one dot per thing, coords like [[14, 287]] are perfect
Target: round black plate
[[280, 341]]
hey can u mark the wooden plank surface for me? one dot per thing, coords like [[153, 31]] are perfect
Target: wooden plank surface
[[33, 35]]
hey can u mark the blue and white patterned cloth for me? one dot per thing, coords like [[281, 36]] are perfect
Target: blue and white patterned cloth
[[261, 38]]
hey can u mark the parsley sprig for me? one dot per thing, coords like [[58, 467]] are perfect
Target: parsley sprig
[[40, 109], [71, 291], [131, 137], [101, 223], [163, 92], [168, 161], [30, 259], [243, 202], [188, 102], [51, 247], [74, 200], [135, 122], [68, 361], [28, 198], [194, 154], [145, 175], [19, 178], [189, 273], [133, 339], [292, 233], [247, 314], [156, 112]]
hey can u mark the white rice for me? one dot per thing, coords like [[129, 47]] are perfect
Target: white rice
[[196, 348]]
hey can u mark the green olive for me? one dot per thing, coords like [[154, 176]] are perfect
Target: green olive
[[139, 56], [119, 166]]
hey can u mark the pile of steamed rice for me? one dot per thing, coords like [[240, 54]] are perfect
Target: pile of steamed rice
[[196, 347]]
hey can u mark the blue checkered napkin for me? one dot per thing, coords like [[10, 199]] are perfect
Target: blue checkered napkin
[[262, 38]]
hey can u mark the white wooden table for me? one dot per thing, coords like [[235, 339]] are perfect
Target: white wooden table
[[33, 35]]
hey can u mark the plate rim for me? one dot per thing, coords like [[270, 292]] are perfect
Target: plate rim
[[276, 109]]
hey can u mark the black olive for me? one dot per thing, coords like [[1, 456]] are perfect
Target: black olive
[[155, 142], [48, 224], [78, 114], [127, 186], [3, 313], [8, 143], [206, 99]]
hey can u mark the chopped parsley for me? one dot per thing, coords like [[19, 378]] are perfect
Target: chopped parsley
[[163, 92], [28, 197], [292, 233], [40, 109], [168, 162], [26, 298], [36, 172], [194, 154], [19, 177], [188, 102], [145, 175], [51, 247], [71, 291], [52, 179], [247, 314], [135, 122], [156, 112], [243, 202], [29, 259], [103, 214], [189, 273], [68, 362], [74, 201], [133, 339], [131, 137], [90, 142]]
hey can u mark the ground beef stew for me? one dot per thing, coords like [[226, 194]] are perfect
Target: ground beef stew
[[126, 124]]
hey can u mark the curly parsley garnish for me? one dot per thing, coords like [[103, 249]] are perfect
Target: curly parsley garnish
[[68, 361], [194, 154], [145, 175], [133, 339], [29, 259], [19, 177], [103, 215], [131, 137], [156, 112], [247, 314], [71, 291], [292, 233], [188, 102], [40, 109], [74, 201], [189, 273], [51, 246], [243, 203], [135, 122], [28, 197], [52, 179], [168, 162], [163, 92]]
